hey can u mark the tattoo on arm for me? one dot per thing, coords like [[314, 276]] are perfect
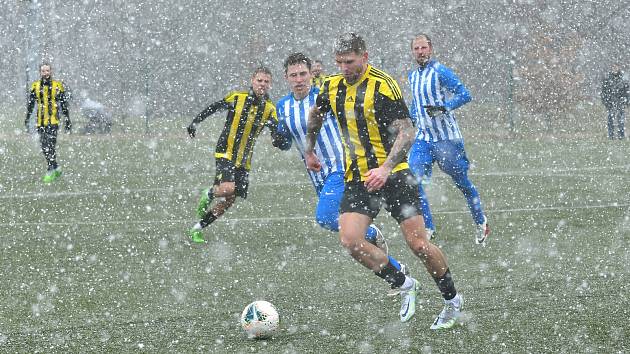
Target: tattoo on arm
[[315, 121], [404, 139]]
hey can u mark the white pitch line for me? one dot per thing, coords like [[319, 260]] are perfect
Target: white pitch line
[[96, 191], [309, 217]]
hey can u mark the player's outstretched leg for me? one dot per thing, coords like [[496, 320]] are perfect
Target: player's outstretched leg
[[224, 194], [421, 165], [204, 202], [436, 265], [352, 237], [452, 159], [473, 201]]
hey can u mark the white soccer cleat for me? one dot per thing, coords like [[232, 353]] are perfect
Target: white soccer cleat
[[380, 241], [483, 230], [450, 314], [408, 297]]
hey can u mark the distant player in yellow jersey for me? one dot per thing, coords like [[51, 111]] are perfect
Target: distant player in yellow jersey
[[317, 73], [248, 113], [377, 133], [51, 98]]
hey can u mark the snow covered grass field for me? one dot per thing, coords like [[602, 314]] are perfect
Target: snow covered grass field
[[98, 261]]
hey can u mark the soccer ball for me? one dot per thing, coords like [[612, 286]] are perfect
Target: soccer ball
[[260, 319]]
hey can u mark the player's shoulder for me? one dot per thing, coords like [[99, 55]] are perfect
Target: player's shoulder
[[388, 84], [234, 94], [378, 74], [269, 103], [281, 102], [333, 79], [442, 69], [59, 84], [383, 77]]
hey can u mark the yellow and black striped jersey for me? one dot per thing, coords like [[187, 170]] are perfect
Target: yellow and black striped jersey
[[50, 96], [364, 111], [247, 116], [318, 81]]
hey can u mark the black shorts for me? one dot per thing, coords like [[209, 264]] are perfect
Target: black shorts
[[400, 194], [227, 172]]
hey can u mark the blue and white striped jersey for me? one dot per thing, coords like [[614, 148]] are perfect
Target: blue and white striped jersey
[[436, 85], [292, 116]]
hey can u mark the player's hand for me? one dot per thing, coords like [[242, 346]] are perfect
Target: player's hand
[[376, 178], [312, 162], [191, 130], [434, 111]]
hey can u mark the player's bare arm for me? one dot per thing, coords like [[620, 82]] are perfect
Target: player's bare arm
[[404, 131], [313, 126], [404, 139]]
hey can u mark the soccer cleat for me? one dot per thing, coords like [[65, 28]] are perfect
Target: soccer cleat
[[51, 175], [483, 230], [204, 202], [395, 291], [408, 297], [450, 314], [380, 241], [48, 177], [196, 236]]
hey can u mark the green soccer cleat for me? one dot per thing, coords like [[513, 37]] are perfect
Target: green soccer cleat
[[408, 306], [196, 236], [51, 176], [48, 177], [450, 314], [204, 202]]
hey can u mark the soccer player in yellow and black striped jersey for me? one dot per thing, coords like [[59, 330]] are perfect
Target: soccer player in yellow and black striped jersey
[[51, 99], [377, 133], [248, 113]]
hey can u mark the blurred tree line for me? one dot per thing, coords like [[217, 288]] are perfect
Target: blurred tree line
[[168, 59]]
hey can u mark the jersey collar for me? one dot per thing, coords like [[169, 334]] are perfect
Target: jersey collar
[[428, 64]]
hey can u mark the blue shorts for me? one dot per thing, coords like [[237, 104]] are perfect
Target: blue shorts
[[449, 154]]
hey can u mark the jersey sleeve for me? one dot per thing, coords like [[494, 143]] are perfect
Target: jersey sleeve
[[278, 140], [63, 101], [30, 104], [282, 128], [453, 84], [391, 101], [323, 100], [225, 103]]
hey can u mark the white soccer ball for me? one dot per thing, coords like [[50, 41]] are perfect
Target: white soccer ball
[[260, 319]]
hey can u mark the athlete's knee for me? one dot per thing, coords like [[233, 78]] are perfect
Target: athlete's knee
[[226, 201], [420, 246], [225, 189], [351, 242]]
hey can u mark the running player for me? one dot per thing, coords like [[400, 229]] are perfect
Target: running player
[[436, 92], [248, 113], [377, 133]]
